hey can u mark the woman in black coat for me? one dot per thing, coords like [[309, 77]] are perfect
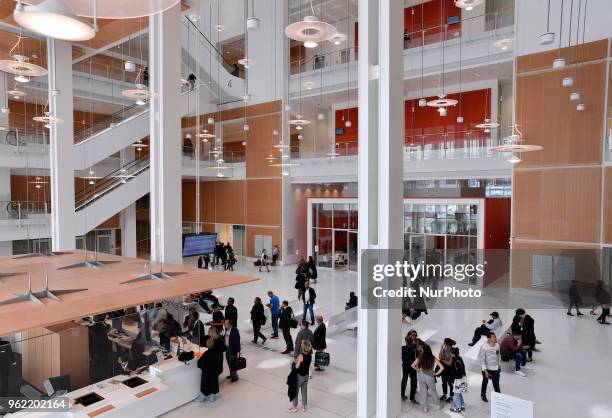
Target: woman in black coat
[[258, 318], [319, 343], [311, 268], [209, 364]]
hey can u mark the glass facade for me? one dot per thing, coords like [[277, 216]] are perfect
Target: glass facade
[[446, 230]]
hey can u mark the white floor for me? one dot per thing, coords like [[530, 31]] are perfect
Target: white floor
[[572, 376]]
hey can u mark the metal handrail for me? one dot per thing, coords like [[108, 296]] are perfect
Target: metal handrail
[[107, 183], [209, 42], [81, 134]]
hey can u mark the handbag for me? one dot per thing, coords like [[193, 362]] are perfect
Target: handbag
[[293, 323], [321, 358], [461, 385], [239, 363], [186, 356]]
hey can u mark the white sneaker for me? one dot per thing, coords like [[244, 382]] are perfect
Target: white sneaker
[[527, 367], [520, 373]]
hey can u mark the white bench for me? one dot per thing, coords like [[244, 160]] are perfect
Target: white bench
[[472, 353], [346, 320]]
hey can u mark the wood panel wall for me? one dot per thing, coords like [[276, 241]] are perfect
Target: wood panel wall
[[557, 192]]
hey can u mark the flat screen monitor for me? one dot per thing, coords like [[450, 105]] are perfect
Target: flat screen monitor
[[198, 244], [339, 131]]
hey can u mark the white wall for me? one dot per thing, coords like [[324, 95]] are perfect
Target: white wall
[[531, 22]]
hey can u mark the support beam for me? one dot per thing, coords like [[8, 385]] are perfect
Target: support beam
[[381, 122], [59, 56], [165, 138]]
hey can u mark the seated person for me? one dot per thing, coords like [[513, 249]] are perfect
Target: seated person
[[512, 347], [352, 302], [492, 325], [136, 358], [194, 328], [206, 297], [168, 331]]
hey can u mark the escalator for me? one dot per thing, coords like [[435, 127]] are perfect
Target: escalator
[[110, 194]]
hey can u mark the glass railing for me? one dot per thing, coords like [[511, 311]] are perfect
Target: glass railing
[[490, 26], [20, 210], [96, 188], [108, 121], [419, 146], [210, 157]]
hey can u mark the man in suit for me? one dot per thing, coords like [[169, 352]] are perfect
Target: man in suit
[[284, 324], [232, 342], [6, 361], [231, 312], [319, 343]]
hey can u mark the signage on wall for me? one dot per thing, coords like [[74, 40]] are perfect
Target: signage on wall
[[504, 406], [474, 183]]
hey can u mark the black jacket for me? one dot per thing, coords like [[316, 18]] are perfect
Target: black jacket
[[231, 313], [319, 342], [284, 321], [257, 314], [292, 389], [458, 369], [312, 293], [311, 270], [409, 355], [209, 363]]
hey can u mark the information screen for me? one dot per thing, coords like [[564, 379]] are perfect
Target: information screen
[[198, 244]]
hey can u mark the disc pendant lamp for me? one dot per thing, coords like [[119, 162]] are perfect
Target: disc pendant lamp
[[54, 19], [310, 30]]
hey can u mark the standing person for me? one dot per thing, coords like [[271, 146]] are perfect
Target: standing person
[[304, 334], [145, 76], [274, 306], [263, 260], [215, 254], [446, 358], [223, 256], [409, 355], [206, 261], [308, 297], [311, 269], [258, 318], [574, 299], [231, 312], [319, 342], [524, 325], [209, 364], [275, 255], [191, 80], [201, 262], [285, 321], [300, 276], [425, 365], [219, 346], [302, 365], [602, 297], [217, 318], [460, 378], [489, 357], [492, 325], [512, 347], [232, 344]]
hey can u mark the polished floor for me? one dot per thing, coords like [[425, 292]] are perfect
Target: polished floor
[[571, 376]]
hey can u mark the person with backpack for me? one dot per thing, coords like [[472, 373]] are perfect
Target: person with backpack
[[460, 379], [258, 318], [285, 323]]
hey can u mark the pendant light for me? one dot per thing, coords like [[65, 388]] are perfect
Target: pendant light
[[16, 94], [347, 120], [442, 102], [310, 30], [53, 19], [141, 93], [422, 100], [468, 5], [559, 62], [503, 43], [487, 124], [252, 22], [459, 116], [547, 37], [19, 65], [568, 81], [575, 95]]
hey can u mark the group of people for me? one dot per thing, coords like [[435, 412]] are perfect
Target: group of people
[[602, 299], [422, 368], [223, 255]]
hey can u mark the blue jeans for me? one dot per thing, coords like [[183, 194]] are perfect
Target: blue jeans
[[308, 307], [459, 400], [520, 359], [275, 325]]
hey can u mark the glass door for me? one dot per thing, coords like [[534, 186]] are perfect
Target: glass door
[[341, 259]]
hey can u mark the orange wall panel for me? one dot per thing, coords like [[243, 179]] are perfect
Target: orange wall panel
[[557, 204], [548, 118], [230, 203], [251, 231], [263, 200], [543, 60], [259, 146]]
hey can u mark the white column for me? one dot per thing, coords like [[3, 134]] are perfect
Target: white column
[[6, 247], [59, 55], [4, 116], [128, 231], [381, 122], [165, 137]]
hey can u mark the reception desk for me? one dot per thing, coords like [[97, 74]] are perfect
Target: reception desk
[[169, 384]]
